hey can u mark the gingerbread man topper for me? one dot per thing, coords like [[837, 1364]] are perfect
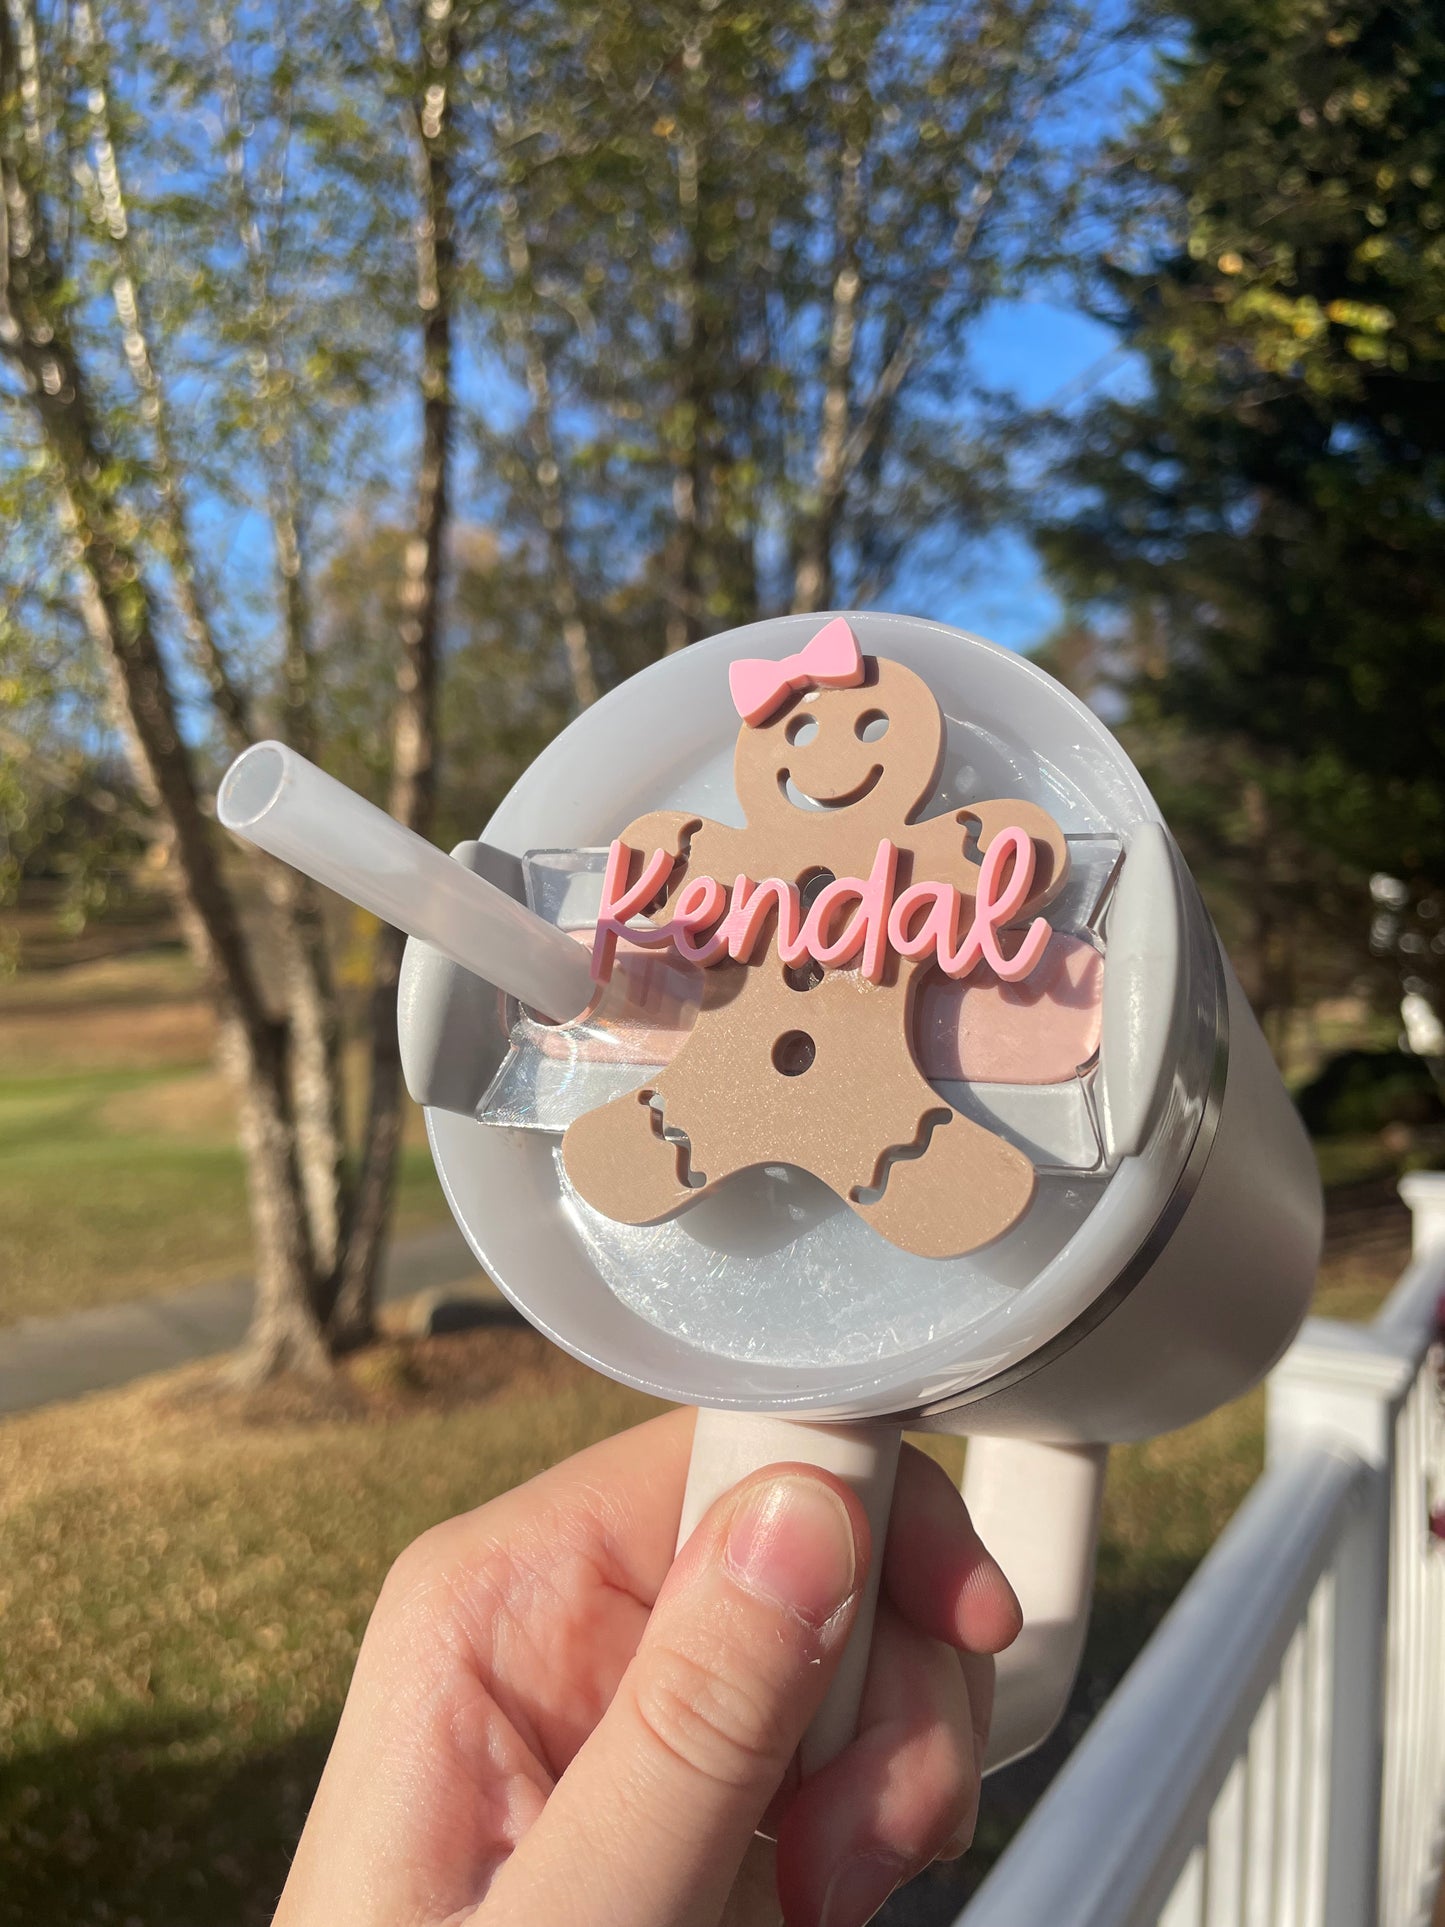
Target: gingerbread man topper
[[816, 922]]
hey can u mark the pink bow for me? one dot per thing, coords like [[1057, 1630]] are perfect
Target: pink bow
[[832, 660]]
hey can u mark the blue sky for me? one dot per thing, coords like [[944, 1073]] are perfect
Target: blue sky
[[1043, 354]]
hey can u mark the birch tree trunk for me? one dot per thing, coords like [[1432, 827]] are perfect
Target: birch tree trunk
[[315, 1057], [317, 1080], [689, 479], [684, 561], [813, 582], [110, 216], [546, 469], [316, 1029], [117, 611], [413, 780]]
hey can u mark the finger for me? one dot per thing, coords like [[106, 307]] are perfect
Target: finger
[[979, 1675], [440, 1764], [651, 1820], [936, 1569], [623, 1495], [895, 1799]]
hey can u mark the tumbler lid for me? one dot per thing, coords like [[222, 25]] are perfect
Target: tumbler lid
[[771, 1293]]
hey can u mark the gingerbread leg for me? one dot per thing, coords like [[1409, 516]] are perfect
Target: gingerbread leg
[[962, 1189], [623, 1165]]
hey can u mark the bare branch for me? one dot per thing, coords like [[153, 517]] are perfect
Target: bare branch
[[112, 219], [520, 330], [52, 770]]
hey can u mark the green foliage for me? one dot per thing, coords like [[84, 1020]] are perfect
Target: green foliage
[[68, 810], [1361, 1090], [1278, 496], [1271, 510]]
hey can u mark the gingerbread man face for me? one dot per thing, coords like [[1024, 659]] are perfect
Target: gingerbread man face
[[836, 748], [816, 922]]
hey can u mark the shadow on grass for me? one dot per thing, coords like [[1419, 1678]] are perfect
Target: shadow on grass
[[468, 1311], [1126, 1612], [134, 1826]]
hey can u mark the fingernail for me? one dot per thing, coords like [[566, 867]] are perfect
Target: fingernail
[[859, 1889], [791, 1541]]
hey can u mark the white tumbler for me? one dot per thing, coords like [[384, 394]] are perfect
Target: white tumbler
[[1162, 1265]]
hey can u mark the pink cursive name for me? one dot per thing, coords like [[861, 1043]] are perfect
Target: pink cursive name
[[850, 918]]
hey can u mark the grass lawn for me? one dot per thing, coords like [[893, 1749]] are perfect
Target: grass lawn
[[119, 1171], [179, 1618]]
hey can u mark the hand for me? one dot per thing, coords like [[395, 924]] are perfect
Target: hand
[[551, 1724]]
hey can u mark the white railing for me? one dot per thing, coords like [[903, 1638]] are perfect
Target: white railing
[[1275, 1757]]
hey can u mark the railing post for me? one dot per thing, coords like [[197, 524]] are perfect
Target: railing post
[[1340, 1386], [1424, 1193], [1413, 1843]]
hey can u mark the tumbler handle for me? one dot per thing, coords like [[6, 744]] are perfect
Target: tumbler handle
[[726, 1447], [1036, 1508]]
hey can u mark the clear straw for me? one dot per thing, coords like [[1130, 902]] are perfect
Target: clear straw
[[286, 805]]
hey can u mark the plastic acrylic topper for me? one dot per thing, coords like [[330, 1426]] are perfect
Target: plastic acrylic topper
[[816, 923]]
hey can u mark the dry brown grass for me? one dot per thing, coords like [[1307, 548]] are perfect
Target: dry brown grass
[[186, 1575], [119, 1171], [196, 1105], [114, 1036]]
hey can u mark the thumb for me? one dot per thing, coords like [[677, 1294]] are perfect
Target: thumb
[[649, 1824]]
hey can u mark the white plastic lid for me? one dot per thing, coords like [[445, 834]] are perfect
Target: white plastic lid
[[772, 1294]]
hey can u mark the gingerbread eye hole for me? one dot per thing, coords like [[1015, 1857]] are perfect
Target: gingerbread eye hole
[[871, 726], [812, 886], [802, 729]]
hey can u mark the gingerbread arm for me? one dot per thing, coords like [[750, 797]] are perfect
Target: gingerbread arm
[[662, 830], [1051, 849], [701, 846], [670, 830], [939, 846]]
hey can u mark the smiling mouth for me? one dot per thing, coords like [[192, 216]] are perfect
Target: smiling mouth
[[800, 798]]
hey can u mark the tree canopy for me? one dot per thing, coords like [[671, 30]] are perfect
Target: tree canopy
[[1272, 504]]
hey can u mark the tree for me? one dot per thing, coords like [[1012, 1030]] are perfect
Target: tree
[[98, 436], [743, 250], [1273, 503], [508, 687], [1287, 909], [118, 606], [427, 74]]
